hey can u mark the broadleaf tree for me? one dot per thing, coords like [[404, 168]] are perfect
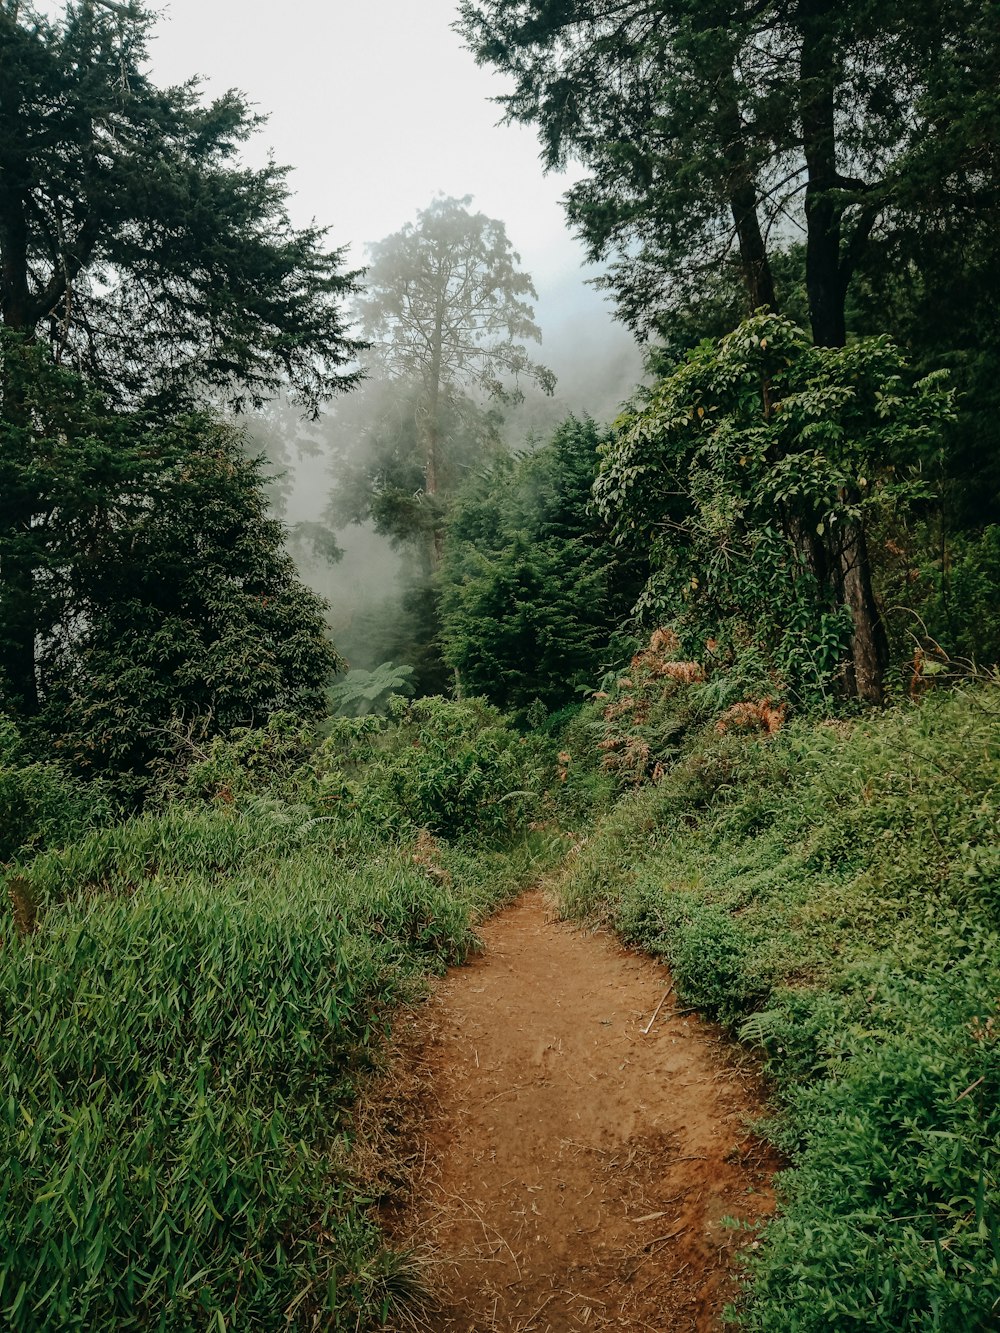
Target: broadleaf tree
[[448, 313], [752, 440]]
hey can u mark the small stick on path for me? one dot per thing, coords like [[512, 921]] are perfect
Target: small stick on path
[[649, 1026]]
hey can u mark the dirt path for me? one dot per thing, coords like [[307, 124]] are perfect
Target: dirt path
[[571, 1171]]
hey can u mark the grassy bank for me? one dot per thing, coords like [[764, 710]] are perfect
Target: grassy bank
[[832, 892], [188, 999]]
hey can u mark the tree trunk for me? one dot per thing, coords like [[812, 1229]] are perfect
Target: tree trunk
[[817, 75], [17, 590], [18, 617], [431, 440], [826, 272], [754, 262], [869, 642]]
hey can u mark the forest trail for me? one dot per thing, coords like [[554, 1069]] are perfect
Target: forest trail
[[567, 1169]]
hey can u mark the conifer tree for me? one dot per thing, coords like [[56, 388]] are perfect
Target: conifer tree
[[137, 250], [132, 238]]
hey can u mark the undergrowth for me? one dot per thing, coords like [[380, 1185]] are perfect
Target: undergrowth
[[832, 892], [188, 999]]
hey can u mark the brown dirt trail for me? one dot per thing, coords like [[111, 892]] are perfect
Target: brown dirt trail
[[568, 1169]]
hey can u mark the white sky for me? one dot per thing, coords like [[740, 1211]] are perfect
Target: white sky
[[378, 107]]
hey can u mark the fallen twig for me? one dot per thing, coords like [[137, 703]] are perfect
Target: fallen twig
[[971, 1088], [648, 1028], [532, 1319]]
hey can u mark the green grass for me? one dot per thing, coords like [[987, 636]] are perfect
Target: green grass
[[182, 1035], [834, 895]]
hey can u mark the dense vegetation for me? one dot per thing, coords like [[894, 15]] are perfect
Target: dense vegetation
[[738, 647], [830, 891], [188, 999]]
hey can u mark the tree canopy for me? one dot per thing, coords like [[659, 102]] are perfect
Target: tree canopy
[[737, 460], [448, 312], [159, 587], [709, 128], [134, 241], [532, 587]]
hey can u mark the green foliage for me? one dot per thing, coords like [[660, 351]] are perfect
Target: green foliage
[[958, 596], [246, 762], [832, 889], [134, 240], [363, 692], [702, 128], [531, 589], [151, 595], [749, 470], [378, 456], [459, 770], [180, 1060], [40, 804], [893, 1220]]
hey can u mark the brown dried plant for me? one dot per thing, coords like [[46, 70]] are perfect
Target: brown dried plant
[[23, 905], [752, 715], [426, 854]]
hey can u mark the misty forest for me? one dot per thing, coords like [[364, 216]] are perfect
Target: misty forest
[[483, 849]]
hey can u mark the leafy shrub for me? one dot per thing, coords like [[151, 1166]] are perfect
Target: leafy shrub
[[363, 692], [711, 958], [263, 759], [893, 1219], [456, 769], [744, 472], [962, 597], [40, 804]]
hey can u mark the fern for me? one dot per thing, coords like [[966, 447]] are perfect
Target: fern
[[363, 693]]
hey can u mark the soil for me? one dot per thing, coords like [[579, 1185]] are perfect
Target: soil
[[570, 1164]]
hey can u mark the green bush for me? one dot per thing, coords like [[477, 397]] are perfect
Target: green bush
[[187, 1001], [834, 891], [40, 804], [893, 1213], [963, 596], [711, 958], [458, 770]]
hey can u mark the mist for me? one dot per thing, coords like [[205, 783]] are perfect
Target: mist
[[598, 366]]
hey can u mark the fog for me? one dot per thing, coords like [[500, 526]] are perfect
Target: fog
[[598, 366], [378, 108]]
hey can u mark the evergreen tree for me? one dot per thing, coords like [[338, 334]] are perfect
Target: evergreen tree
[[705, 124], [133, 240], [161, 588], [377, 443], [532, 588], [137, 250]]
